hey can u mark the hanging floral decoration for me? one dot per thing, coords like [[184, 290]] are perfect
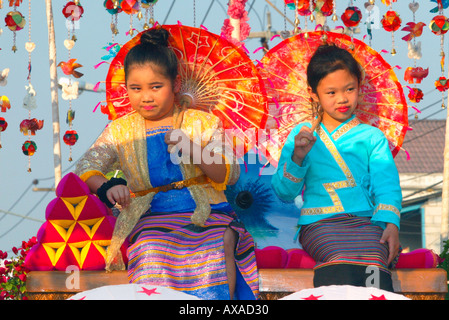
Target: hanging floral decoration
[[29, 147], [414, 30], [130, 6], [236, 12], [73, 11], [113, 7], [326, 7], [29, 126], [439, 26], [441, 84], [415, 95], [4, 103], [15, 21], [3, 126], [351, 17], [391, 22], [4, 106], [70, 137]]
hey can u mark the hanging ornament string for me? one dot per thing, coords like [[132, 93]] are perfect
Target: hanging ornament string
[[130, 7], [370, 5], [297, 28], [391, 22], [414, 52], [15, 21], [439, 26], [30, 125], [351, 18], [113, 7], [4, 102], [73, 12]]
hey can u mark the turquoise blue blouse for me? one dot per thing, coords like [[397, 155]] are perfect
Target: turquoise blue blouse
[[350, 170]]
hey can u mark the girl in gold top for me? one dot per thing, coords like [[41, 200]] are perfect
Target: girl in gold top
[[182, 232]]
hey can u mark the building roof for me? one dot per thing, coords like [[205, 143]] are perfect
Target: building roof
[[425, 145]]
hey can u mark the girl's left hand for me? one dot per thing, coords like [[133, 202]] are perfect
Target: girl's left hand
[[178, 139], [391, 236]]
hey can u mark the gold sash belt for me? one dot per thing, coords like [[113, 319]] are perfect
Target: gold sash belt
[[177, 185]]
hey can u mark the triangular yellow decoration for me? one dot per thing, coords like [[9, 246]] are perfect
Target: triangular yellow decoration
[[79, 208], [74, 200], [77, 249], [91, 226], [54, 253], [66, 230]]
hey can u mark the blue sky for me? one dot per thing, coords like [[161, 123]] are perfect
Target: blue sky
[[93, 34]]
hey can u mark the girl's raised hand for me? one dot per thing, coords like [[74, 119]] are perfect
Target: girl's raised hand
[[304, 142]]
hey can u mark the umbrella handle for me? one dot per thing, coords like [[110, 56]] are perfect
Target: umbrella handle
[[315, 124]]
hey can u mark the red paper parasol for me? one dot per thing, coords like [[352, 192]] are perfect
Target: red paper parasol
[[381, 103], [217, 77]]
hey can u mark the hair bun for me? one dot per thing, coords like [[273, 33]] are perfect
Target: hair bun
[[155, 36]]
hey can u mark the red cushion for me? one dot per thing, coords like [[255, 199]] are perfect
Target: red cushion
[[299, 259], [271, 257]]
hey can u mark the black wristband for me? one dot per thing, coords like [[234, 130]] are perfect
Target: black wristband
[[101, 192]]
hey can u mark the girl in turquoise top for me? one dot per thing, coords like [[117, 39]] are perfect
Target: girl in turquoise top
[[348, 178]]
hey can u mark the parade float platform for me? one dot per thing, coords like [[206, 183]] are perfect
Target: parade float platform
[[416, 284]]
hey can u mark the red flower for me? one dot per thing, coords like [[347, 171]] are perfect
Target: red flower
[[3, 255], [391, 21], [439, 25], [70, 137], [441, 84], [73, 11], [415, 95], [351, 17], [29, 148], [15, 250], [22, 277]]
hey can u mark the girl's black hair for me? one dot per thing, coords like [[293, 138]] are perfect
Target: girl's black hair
[[153, 48], [327, 59]]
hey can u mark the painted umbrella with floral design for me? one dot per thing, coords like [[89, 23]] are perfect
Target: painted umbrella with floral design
[[216, 77], [381, 102]]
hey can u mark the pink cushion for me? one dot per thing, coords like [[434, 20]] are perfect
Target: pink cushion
[[419, 258]]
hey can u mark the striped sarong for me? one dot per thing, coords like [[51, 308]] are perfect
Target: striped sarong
[[168, 250], [343, 247]]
